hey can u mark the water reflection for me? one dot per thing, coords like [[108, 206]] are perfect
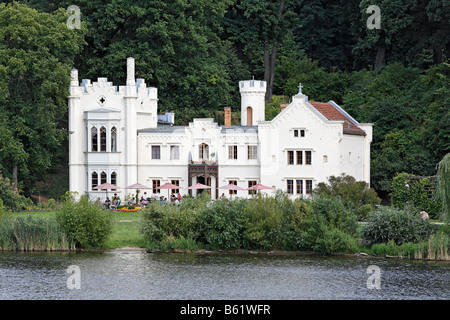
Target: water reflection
[[134, 274]]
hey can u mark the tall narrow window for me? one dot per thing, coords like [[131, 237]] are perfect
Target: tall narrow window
[[103, 178], [94, 139], [114, 179], [252, 152], [232, 152], [177, 183], [102, 139], [299, 186], [203, 152], [235, 183], [299, 157], [295, 133], [290, 157], [302, 133], [94, 179], [308, 156], [249, 116], [156, 152], [113, 139], [174, 152], [155, 185], [290, 186], [251, 183], [308, 186]]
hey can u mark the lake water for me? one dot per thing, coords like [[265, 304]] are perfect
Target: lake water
[[136, 274]]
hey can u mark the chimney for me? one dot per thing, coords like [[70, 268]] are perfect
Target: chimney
[[130, 72], [283, 106], [227, 117]]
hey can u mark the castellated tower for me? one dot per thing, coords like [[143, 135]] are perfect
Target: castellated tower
[[103, 124], [252, 101]]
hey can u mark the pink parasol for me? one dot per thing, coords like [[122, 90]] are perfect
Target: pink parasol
[[106, 186], [231, 186], [199, 186], [137, 186], [259, 187], [168, 186]]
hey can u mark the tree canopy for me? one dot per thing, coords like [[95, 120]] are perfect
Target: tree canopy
[[196, 51]]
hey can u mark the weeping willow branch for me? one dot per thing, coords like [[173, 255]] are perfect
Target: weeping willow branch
[[443, 185]]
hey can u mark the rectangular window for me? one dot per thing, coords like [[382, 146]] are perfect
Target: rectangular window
[[308, 186], [174, 152], [299, 186], [290, 186], [302, 133], [177, 183], [156, 152], [290, 157], [232, 152], [156, 184], [308, 156], [299, 157], [251, 183], [203, 152], [232, 191], [252, 152], [296, 133]]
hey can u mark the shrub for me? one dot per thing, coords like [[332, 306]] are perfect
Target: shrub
[[334, 241], [12, 200], [87, 224], [336, 214], [398, 225], [413, 192], [273, 222], [223, 224], [353, 193]]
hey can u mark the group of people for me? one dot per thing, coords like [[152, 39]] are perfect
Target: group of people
[[115, 201], [144, 200]]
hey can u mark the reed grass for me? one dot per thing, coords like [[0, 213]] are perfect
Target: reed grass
[[436, 248], [33, 234]]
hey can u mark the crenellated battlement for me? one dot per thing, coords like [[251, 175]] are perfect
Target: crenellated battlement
[[252, 86]]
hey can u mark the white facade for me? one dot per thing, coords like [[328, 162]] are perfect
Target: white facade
[[117, 137]]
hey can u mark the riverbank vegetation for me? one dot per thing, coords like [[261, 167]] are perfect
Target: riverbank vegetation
[[321, 225], [342, 217]]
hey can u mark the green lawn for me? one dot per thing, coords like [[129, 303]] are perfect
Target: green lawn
[[125, 232]]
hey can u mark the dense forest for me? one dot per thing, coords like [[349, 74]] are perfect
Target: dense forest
[[195, 51]]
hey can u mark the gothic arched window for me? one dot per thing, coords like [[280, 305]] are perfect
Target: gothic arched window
[[113, 139], [94, 139], [102, 139], [94, 179]]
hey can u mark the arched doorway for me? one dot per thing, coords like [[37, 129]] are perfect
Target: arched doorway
[[249, 116]]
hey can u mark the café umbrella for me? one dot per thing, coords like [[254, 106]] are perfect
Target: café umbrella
[[106, 186], [137, 186], [259, 187], [198, 186], [231, 186], [168, 186]]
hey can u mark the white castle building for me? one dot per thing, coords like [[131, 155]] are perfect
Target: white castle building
[[118, 137]]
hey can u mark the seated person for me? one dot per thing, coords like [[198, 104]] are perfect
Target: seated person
[[107, 203]]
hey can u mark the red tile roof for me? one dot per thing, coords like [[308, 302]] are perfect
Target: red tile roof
[[332, 113]]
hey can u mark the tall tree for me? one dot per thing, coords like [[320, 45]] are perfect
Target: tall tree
[[36, 55], [261, 26]]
